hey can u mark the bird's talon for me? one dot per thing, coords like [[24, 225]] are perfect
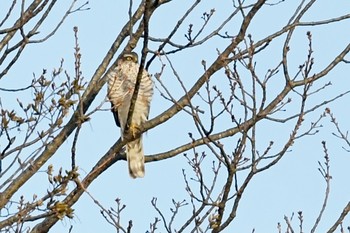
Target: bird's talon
[[134, 129]]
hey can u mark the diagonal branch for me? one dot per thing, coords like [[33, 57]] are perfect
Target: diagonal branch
[[146, 17]]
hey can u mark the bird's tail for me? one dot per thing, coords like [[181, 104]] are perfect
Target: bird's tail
[[136, 158]]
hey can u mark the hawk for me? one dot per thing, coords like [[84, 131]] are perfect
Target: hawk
[[121, 83]]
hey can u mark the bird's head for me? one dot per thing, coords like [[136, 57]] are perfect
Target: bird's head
[[129, 56]]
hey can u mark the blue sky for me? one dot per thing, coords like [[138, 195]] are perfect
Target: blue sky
[[292, 185]]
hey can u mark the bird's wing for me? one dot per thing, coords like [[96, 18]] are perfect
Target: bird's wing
[[115, 114]]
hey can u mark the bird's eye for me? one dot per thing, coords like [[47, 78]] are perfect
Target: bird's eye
[[128, 58]]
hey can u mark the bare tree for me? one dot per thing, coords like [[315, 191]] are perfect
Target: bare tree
[[227, 104]]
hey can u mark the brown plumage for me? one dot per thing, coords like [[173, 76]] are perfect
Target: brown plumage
[[121, 83]]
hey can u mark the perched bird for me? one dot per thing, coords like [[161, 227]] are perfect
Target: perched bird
[[121, 84]]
